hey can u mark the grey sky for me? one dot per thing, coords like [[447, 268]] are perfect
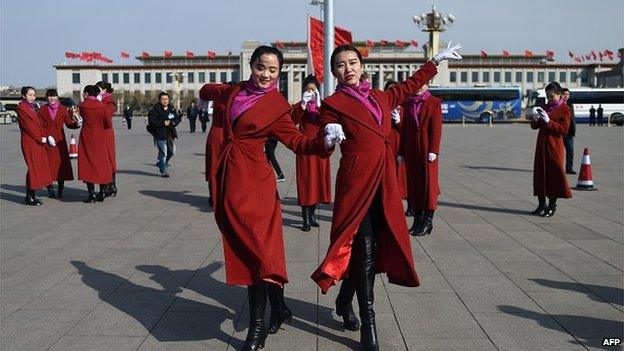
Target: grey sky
[[35, 34]]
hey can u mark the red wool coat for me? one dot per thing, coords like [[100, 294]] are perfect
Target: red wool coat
[[58, 157], [416, 144], [34, 151], [94, 164], [313, 172], [247, 205], [395, 139], [549, 177], [110, 133], [368, 165], [214, 140]]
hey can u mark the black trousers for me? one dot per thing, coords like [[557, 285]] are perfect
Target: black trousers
[[269, 148], [204, 122], [192, 121], [568, 143], [129, 122], [592, 121]]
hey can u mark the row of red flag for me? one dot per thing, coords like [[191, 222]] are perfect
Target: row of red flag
[[592, 56], [527, 53], [96, 56]]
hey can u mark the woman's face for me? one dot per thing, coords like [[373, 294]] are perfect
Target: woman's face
[[422, 89], [310, 87], [347, 68], [52, 99], [265, 70], [30, 96], [552, 96]]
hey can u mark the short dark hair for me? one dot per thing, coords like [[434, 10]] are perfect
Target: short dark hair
[[554, 87], [25, 90], [311, 79], [91, 90], [51, 92], [162, 93], [266, 50], [565, 90], [390, 83], [104, 86], [342, 48]]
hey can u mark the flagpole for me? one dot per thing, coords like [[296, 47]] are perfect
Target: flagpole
[[328, 46]]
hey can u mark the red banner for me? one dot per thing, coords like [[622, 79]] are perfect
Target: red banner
[[125, 54], [505, 53], [168, 53], [190, 54], [315, 43], [71, 55]]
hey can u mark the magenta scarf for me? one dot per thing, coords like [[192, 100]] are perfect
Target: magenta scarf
[[312, 108], [417, 102], [29, 105], [247, 98], [361, 93], [91, 97], [552, 105], [54, 108]]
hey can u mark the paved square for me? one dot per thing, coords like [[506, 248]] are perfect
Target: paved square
[[144, 270]]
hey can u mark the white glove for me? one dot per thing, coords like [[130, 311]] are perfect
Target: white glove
[[333, 134], [396, 115], [450, 53], [432, 157], [535, 113], [543, 115], [51, 141], [318, 98], [400, 160], [44, 140], [79, 121], [307, 97]]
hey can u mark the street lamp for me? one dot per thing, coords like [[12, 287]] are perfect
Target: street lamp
[[178, 78], [434, 23]]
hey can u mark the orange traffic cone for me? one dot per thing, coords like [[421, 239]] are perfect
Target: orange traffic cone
[[585, 180], [73, 148]]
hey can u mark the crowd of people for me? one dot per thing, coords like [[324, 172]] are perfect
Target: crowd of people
[[390, 144]]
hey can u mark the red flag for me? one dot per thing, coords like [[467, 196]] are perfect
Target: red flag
[[550, 54], [571, 54], [96, 55], [279, 45], [364, 52], [71, 55], [369, 44], [125, 54], [414, 43], [105, 59], [292, 43], [399, 44], [86, 56], [588, 57], [168, 53], [506, 53], [190, 54], [383, 42], [145, 55], [315, 42], [593, 54], [528, 53], [483, 53], [577, 59], [211, 54]]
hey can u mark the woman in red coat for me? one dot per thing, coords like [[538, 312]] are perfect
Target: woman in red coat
[[247, 205], [214, 140], [549, 179], [54, 116], [313, 172], [94, 166], [34, 140], [106, 96], [419, 148], [369, 231], [397, 125]]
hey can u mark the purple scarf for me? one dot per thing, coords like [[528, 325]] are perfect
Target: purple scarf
[[247, 98], [29, 105], [552, 105], [54, 108], [417, 102], [361, 93], [312, 108], [91, 97]]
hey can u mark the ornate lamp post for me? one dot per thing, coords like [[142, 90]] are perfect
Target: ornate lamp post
[[434, 23]]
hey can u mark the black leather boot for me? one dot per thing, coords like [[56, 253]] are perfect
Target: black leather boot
[[256, 334], [409, 212], [426, 226], [312, 216], [305, 210], [344, 307], [112, 188], [51, 193], [61, 187], [552, 207], [101, 195], [418, 217], [541, 207], [365, 283], [279, 311], [31, 198], [91, 197]]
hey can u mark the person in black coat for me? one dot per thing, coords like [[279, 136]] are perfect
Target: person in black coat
[[592, 116], [204, 119], [600, 112], [128, 116], [162, 122], [568, 140], [191, 113]]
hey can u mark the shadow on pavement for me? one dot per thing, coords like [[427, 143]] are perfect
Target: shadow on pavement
[[484, 208], [200, 202], [605, 293], [499, 168]]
